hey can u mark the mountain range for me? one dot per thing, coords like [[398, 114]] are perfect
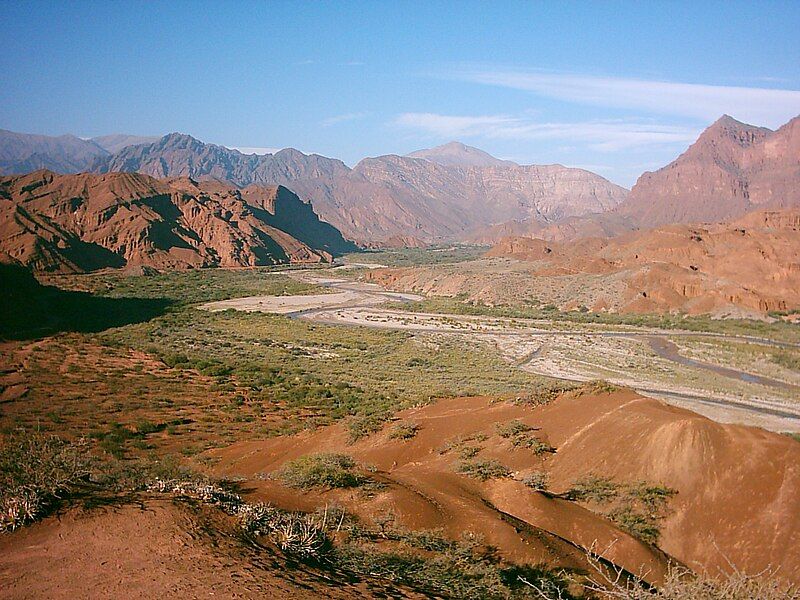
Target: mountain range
[[443, 193], [732, 169], [455, 192], [439, 194]]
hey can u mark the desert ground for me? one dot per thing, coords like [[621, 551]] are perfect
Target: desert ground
[[301, 432]]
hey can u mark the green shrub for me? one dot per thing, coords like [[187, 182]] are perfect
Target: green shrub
[[635, 507], [321, 470], [521, 437], [361, 426], [537, 481], [36, 470], [593, 488], [404, 431], [302, 535], [638, 524], [789, 359], [512, 429], [483, 469]]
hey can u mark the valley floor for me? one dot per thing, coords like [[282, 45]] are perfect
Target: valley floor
[[730, 378]]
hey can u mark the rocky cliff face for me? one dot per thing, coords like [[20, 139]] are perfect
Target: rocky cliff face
[[83, 222], [732, 169]]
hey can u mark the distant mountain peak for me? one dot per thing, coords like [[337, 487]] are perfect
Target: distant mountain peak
[[728, 131], [726, 119], [178, 139], [457, 154]]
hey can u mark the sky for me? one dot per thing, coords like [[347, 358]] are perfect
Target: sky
[[615, 87]]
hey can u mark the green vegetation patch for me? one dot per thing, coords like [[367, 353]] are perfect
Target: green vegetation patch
[[326, 470], [522, 436], [191, 286], [411, 257], [405, 430], [636, 507], [483, 470], [779, 330], [316, 374]]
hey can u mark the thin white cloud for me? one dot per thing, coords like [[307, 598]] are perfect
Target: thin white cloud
[[254, 149], [451, 126], [336, 119], [760, 106], [603, 135]]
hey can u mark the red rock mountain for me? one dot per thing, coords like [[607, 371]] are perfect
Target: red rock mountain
[[732, 169], [446, 194], [74, 223]]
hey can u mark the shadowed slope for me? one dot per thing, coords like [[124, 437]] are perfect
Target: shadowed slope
[[31, 310]]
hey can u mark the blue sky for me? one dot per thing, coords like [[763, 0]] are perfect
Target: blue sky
[[618, 88]]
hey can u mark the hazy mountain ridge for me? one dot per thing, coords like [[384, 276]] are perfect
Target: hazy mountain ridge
[[117, 141], [23, 153], [456, 154]]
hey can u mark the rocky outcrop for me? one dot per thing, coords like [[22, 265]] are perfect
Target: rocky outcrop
[[76, 223], [747, 267]]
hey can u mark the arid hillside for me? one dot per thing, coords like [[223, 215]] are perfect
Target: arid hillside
[[158, 549], [74, 223], [751, 265], [462, 465]]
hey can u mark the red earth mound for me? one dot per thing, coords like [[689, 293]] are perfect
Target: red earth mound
[[748, 267], [737, 488], [156, 549], [752, 263]]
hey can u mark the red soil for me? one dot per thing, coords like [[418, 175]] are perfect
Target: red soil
[[738, 487]]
